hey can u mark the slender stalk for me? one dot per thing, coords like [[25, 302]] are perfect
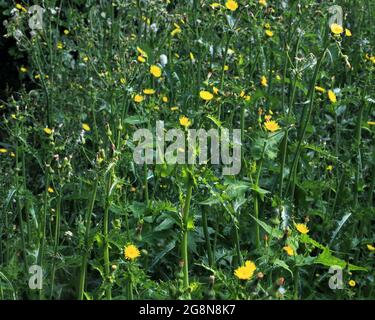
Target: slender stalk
[[185, 217], [108, 289], [87, 248], [207, 237]]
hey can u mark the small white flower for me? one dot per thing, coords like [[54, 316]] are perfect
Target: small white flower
[[163, 60], [282, 290], [154, 27]]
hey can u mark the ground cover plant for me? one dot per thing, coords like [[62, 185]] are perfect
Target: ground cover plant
[[80, 219]]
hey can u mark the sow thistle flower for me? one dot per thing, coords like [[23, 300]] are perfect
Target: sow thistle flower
[[245, 272], [271, 125], [86, 127], [50, 190], [231, 5], [269, 33], [138, 98], [205, 95], [302, 228], [348, 33], [3, 150], [352, 283], [23, 69], [264, 81], [332, 96], [131, 252], [185, 121], [263, 3], [60, 45], [155, 71], [48, 131], [149, 91], [20, 7], [289, 250], [336, 29], [320, 89], [370, 247]]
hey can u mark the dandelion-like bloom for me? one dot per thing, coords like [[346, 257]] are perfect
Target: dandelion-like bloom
[[352, 283], [289, 250], [271, 126], [149, 91], [336, 28], [205, 95], [263, 81], [245, 272], [332, 96], [141, 59], [23, 69], [320, 89], [131, 252], [165, 99], [47, 131], [60, 45], [86, 127], [138, 98], [370, 247], [269, 33], [3, 150], [302, 228], [155, 71], [184, 121], [50, 190], [231, 5], [263, 3], [348, 33]]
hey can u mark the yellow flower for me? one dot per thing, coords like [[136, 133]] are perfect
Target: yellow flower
[[141, 52], [122, 80], [215, 90], [20, 7], [23, 69], [155, 71], [192, 58], [131, 252], [59, 45], [226, 68], [3, 150], [48, 131], [86, 127], [37, 76], [174, 108], [336, 28], [165, 99], [185, 122], [13, 116], [263, 3], [301, 227], [289, 250], [141, 59], [263, 81], [332, 96], [352, 283], [371, 123], [205, 95], [50, 190], [320, 89], [215, 5], [348, 33], [66, 32], [269, 33], [138, 98], [175, 31], [85, 58], [245, 272], [148, 91], [329, 168], [370, 247], [231, 5], [271, 126], [12, 154]]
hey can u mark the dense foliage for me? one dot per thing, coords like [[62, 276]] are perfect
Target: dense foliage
[[72, 200]]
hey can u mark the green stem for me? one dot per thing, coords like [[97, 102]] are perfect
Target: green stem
[[185, 218], [87, 248]]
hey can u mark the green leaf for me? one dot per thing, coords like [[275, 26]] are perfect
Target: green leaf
[[283, 265]]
